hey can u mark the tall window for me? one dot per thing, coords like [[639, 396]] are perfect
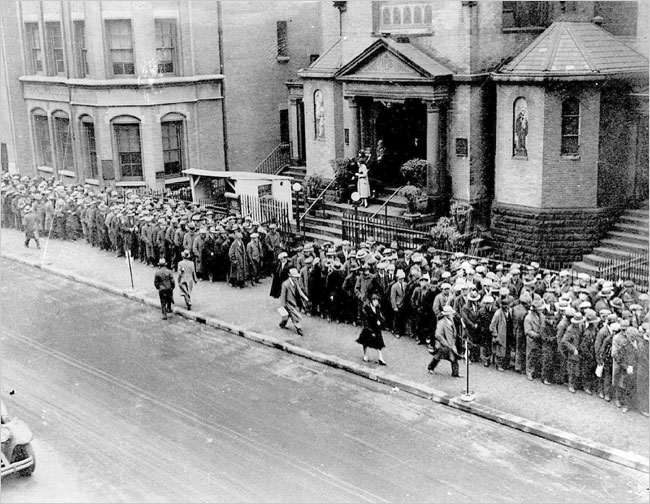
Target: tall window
[[42, 139], [283, 41], [35, 54], [81, 52], [63, 142], [172, 142], [166, 46], [129, 155], [90, 147], [55, 48], [526, 14], [120, 46], [570, 127]]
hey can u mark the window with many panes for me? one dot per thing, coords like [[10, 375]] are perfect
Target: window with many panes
[[172, 144], [42, 143], [166, 43], [570, 127], [34, 51], [90, 147], [120, 46], [404, 17], [63, 143], [55, 48], [81, 52], [129, 154]]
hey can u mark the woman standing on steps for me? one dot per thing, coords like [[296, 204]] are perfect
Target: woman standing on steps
[[363, 185], [371, 336]]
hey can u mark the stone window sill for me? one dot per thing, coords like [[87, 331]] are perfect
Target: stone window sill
[[176, 180], [575, 157], [520, 158], [67, 173], [45, 169], [92, 181], [131, 183], [283, 59]]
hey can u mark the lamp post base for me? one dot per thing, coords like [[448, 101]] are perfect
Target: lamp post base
[[467, 396]]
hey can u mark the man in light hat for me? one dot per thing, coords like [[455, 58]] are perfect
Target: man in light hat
[[534, 322], [30, 225], [571, 342], [292, 298], [164, 283], [334, 295], [238, 261], [445, 345], [280, 274], [186, 278], [519, 312], [199, 253], [274, 245], [255, 253], [397, 297]]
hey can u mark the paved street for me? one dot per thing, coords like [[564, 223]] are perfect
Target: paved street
[[126, 407]]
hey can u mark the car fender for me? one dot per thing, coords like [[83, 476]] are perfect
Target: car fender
[[20, 433]]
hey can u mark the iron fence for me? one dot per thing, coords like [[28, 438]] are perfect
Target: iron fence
[[267, 210], [358, 228], [632, 267]]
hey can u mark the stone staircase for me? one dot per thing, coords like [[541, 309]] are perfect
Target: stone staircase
[[629, 236]]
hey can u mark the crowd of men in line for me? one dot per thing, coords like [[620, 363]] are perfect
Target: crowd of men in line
[[588, 334]]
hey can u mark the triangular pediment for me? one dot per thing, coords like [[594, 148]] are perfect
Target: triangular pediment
[[389, 60], [385, 65]]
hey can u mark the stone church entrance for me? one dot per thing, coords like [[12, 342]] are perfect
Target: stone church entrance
[[396, 133]]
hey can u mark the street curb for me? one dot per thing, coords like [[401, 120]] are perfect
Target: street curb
[[628, 459]]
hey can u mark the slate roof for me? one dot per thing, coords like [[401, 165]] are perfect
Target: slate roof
[[575, 49], [327, 64]]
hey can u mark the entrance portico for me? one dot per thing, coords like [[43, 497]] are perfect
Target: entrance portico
[[395, 94]]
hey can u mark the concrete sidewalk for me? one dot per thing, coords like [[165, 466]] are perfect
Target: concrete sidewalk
[[583, 422]]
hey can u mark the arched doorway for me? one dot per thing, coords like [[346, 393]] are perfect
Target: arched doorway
[[400, 128]]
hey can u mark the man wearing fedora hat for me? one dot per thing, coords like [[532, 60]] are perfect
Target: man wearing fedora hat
[[280, 274], [334, 291], [164, 283], [588, 353], [534, 322], [445, 345], [238, 261], [502, 329], [571, 342], [471, 324], [30, 225], [186, 278], [292, 298]]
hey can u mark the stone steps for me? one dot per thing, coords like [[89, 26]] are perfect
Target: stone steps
[[631, 228], [630, 237], [625, 245]]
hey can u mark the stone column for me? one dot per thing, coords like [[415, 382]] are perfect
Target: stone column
[[293, 128], [434, 178], [353, 107]]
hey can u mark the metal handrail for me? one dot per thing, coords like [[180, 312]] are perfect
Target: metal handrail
[[317, 199], [387, 201], [275, 160]]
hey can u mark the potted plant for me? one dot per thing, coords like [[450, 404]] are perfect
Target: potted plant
[[416, 199], [344, 170], [312, 184], [414, 172], [444, 235]]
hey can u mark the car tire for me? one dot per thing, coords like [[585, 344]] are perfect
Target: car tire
[[21, 452]]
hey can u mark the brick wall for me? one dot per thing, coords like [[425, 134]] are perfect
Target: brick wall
[[571, 182], [558, 234], [518, 181]]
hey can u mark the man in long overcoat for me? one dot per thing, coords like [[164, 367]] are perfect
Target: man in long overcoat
[[238, 262], [292, 298], [502, 331], [445, 345], [280, 274], [186, 278]]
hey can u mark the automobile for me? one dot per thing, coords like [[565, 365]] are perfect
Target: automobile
[[17, 451]]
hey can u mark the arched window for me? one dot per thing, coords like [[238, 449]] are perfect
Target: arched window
[[428, 15], [126, 131], [89, 144], [406, 16], [173, 144], [520, 127], [417, 15], [397, 18], [570, 127], [63, 141], [319, 114], [385, 16], [42, 144]]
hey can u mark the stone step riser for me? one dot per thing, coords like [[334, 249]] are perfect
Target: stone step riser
[[610, 253], [635, 220], [627, 247], [631, 228], [629, 237]]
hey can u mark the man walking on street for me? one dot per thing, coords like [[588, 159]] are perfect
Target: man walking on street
[[186, 278], [291, 299], [445, 346], [164, 283], [29, 223]]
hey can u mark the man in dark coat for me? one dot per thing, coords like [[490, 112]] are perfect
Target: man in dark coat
[[471, 317], [292, 298], [280, 274], [164, 283], [571, 342], [334, 291]]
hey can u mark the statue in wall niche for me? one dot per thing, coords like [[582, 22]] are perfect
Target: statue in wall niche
[[319, 114], [521, 127]]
